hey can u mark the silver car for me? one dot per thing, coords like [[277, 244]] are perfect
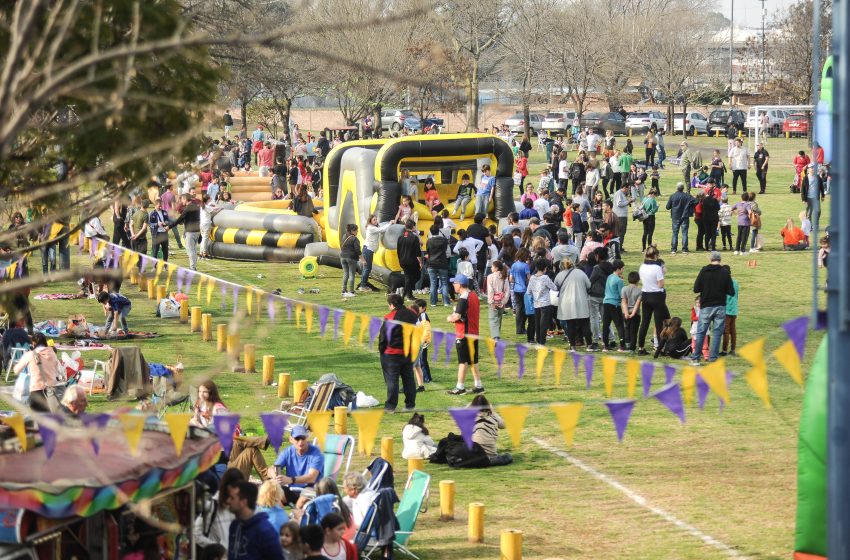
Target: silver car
[[396, 119], [693, 122], [516, 123], [558, 121]]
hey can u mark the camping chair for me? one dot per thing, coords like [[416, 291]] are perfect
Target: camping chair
[[375, 521], [90, 376], [413, 500], [375, 473], [15, 354], [317, 508], [335, 451], [317, 402]]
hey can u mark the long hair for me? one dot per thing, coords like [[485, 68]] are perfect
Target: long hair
[[508, 247], [500, 268], [210, 386], [418, 420], [670, 327], [328, 486]]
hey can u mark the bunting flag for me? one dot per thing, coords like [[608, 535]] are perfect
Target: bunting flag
[[223, 297], [365, 321], [308, 317], [797, 330], [621, 411], [491, 347], [567, 415], [714, 374], [753, 352], [16, 422], [299, 309], [249, 299], [465, 420], [514, 417], [288, 304], [647, 369], [225, 426], [235, 298], [367, 427], [188, 278], [274, 423], [788, 356], [210, 288], [159, 267], [521, 350], [689, 381], [389, 327], [609, 370], [558, 357], [437, 339], [271, 307], [93, 248], [374, 329], [416, 342], [49, 434], [473, 352], [542, 352], [632, 371], [324, 313], [348, 321], [589, 360], [132, 425], [451, 339], [671, 397], [406, 334], [178, 425], [702, 391], [499, 352], [168, 278], [338, 313], [180, 273], [95, 422], [757, 379], [576, 361], [319, 422], [144, 258], [669, 374]]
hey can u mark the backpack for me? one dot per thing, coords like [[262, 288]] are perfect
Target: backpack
[[575, 171]]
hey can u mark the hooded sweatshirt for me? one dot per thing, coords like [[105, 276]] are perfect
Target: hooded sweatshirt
[[416, 444], [713, 284], [253, 539]]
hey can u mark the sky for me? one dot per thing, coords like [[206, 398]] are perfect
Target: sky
[[748, 12]]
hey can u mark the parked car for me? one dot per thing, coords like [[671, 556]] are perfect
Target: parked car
[[601, 122], [775, 120], [432, 121], [641, 121], [395, 119], [558, 122], [516, 123], [726, 120], [693, 122], [796, 124]]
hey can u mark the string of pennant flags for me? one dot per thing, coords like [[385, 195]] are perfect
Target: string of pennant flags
[[674, 395]]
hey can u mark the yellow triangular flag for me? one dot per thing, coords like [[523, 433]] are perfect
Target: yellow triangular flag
[[367, 427], [125, 260], [318, 423], [491, 347], [249, 299], [134, 262], [308, 315], [416, 342], [210, 288], [714, 374], [178, 423], [406, 333], [689, 381], [558, 357], [567, 414], [753, 352], [757, 378], [514, 417], [542, 352], [299, 309], [790, 360], [470, 343], [260, 299], [16, 422], [159, 265], [348, 326], [632, 370], [10, 270], [364, 326], [609, 370], [132, 426], [171, 270], [200, 289]]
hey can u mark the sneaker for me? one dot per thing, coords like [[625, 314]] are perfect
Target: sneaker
[[693, 362], [420, 389], [642, 352], [389, 411], [457, 391], [572, 348], [732, 354], [685, 252], [593, 348], [622, 349], [736, 253], [672, 252], [477, 390], [363, 289], [722, 354]]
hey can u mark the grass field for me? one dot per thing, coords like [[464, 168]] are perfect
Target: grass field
[[731, 475]]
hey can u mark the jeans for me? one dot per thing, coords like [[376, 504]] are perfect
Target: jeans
[[736, 173], [190, 240], [482, 202], [578, 328], [622, 226], [754, 238], [48, 258], [611, 312], [461, 203], [519, 311], [494, 314], [542, 322], [349, 273], [439, 279], [741, 241], [662, 155], [653, 307], [367, 268], [176, 231], [397, 366], [637, 192], [683, 224], [64, 254], [160, 242], [595, 317], [650, 156], [616, 182], [648, 230], [122, 316], [716, 317]]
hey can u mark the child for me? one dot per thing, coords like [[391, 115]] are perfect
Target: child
[[464, 266], [823, 252], [432, 198], [611, 306], [335, 546], [806, 226], [674, 340], [631, 296], [471, 245], [730, 330], [539, 287], [655, 177], [405, 211], [421, 368], [417, 441], [447, 220], [290, 541], [577, 224], [116, 307], [544, 181], [694, 327], [725, 216]]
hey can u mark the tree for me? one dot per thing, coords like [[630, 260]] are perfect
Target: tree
[[440, 72], [526, 56]]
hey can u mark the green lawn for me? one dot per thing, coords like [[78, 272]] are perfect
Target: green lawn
[[729, 474]]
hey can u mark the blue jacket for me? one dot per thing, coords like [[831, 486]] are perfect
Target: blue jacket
[[680, 204], [254, 539]]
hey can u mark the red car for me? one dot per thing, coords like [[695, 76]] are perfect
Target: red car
[[796, 125]]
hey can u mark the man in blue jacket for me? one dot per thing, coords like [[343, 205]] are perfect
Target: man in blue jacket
[[680, 204], [251, 536]]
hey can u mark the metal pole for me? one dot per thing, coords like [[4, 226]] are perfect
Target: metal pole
[[731, 41], [838, 501], [763, 43]]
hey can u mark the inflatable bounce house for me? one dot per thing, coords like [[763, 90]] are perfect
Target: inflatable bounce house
[[362, 177]]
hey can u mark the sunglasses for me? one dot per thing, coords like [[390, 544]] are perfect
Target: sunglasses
[[300, 438]]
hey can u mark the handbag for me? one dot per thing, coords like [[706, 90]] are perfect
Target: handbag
[[555, 294], [639, 214]]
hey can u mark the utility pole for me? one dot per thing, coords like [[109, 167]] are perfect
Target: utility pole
[[731, 42], [763, 43]]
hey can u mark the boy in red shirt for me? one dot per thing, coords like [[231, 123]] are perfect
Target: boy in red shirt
[[465, 318]]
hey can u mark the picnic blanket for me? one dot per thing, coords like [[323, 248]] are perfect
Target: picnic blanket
[[126, 336], [60, 296]]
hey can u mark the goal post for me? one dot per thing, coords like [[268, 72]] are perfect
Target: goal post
[[758, 132]]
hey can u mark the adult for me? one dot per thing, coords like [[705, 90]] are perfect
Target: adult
[[477, 230], [691, 160], [520, 273], [528, 210], [227, 121], [265, 159], [251, 536], [653, 297], [573, 303], [190, 217], [650, 207], [620, 207], [212, 526], [680, 204], [409, 252], [323, 146], [349, 254], [761, 159], [120, 233], [541, 203], [436, 249], [158, 223], [714, 285], [566, 250], [486, 431], [811, 189], [116, 307], [43, 367], [358, 497], [498, 297], [394, 363], [465, 318], [15, 336], [649, 143], [596, 293], [739, 162], [793, 238], [486, 190], [74, 401], [303, 464], [370, 247], [659, 148], [139, 227], [710, 217], [539, 289]]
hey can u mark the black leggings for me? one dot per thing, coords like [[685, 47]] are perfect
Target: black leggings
[[611, 312], [648, 230], [726, 234], [742, 173], [542, 322], [700, 235], [650, 157], [653, 307], [710, 234], [741, 242], [616, 182], [579, 328]]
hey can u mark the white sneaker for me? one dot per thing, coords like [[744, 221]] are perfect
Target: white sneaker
[[736, 253]]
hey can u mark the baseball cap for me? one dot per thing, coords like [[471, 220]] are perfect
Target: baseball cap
[[715, 256], [461, 279], [299, 431]]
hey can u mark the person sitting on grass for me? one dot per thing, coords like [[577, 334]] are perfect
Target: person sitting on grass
[[793, 238], [417, 441], [674, 341], [116, 307], [74, 401], [486, 431]]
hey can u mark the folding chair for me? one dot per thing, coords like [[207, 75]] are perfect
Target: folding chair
[[317, 508], [90, 376], [16, 353], [317, 402], [335, 451], [413, 500]]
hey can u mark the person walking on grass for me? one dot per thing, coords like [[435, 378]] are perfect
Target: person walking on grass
[[714, 286], [394, 363], [465, 319], [730, 329], [680, 205], [349, 254]]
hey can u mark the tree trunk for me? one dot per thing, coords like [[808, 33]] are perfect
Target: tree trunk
[[243, 112], [377, 128], [684, 114], [472, 99], [671, 123], [526, 102], [287, 115]]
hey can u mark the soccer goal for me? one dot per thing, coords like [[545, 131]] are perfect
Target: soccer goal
[[781, 121]]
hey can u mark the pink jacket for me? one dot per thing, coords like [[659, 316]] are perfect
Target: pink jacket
[[42, 374]]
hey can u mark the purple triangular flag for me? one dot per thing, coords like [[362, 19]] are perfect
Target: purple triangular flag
[[646, 371], [235, 298], [389, 327], [436, 340], [2, 273], [93, 246], [223, 296], [98, 421], [19, 270], [116, 255], [271, 307], [225, 426], [144, 261], [49, 435], [730, 375], [621, 411], [669, 373], [589, 360], [820, 323], [451, 338], [338, 313], [275, 425], [671, 396], [179, 277], [288, 310], [797, 329], [324, 313], [521, 349], [374, 329], [499, 351], [82, 241], [702, 391], [465, 420], [576, 361]]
